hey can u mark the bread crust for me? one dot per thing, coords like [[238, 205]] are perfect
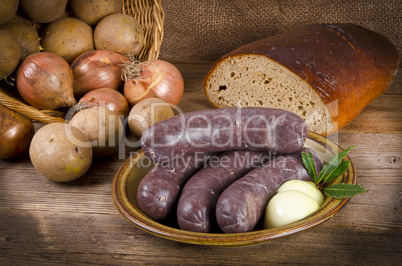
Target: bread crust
[[347, 65]]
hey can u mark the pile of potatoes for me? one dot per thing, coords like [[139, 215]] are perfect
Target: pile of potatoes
[[63, 152]]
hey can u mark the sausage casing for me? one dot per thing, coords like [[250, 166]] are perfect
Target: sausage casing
[[242, 204], [219, 130], [159, 190], [196, 205]]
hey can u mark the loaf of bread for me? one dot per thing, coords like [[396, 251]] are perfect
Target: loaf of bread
[[326, 74]]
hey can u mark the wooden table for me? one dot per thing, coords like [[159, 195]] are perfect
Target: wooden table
[[42, 222]]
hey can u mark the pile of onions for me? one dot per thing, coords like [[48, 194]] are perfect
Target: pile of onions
[[97, 69], [153, 78], [45, 81], [109, 98]]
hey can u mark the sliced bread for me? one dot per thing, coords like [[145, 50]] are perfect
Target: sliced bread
[[326, 74]]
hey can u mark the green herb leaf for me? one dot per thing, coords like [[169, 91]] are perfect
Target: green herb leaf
[[308, 161], [343, 190], [342, 167], [331, 167]]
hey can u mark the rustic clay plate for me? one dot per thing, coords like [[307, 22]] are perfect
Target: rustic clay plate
[[124, 191]]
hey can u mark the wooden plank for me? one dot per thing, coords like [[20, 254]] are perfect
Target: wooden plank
[[83, 238], [43, 222]]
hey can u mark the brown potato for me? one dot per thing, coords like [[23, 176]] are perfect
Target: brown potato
[[67, 37], [8, 10], [91, 12], [9, 55], [26, 35], [43, 11], [120, 33], [60, 152], [16, 132], [102, 127], [146, 113]]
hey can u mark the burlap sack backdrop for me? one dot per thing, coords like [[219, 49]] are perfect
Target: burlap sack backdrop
[[208, 29]]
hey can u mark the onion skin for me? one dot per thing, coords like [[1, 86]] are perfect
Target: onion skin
[[97, 69], [157, 79], [45, 81], [111, 99], [16, 133]]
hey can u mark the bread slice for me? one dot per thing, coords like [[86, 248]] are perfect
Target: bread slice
[[324, 73]]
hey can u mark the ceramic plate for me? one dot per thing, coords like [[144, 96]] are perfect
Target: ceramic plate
[[124, 190]]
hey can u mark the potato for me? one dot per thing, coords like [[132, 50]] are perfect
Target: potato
[[120, 33], [10, 54], [60, 152], [91, 12], [8, 10], [26, 35], [67, 37], [43, 11], [103, 128], [146, 113], [16, 132]]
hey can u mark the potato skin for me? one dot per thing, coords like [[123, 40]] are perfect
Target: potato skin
[[146, 113], [26, 35], [60, 152], [91, 12], [120, 33], [103, 128], [67, 37], [8, 10], [16, 133], [43, 11], [10, 53]]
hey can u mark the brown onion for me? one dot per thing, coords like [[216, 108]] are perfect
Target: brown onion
[[97, 69], [16, 133], [154, 78], [45, 81], [111, 99]]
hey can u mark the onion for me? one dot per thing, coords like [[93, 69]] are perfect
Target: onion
[[45, 81], [111, 99], [97, 69], [307, 187], [295, 199], [287, 207], [153, 78]]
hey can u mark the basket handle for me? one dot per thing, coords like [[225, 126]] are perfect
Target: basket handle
[[44, 116]]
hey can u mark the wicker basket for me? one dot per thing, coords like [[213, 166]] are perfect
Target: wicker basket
[[149, 14]]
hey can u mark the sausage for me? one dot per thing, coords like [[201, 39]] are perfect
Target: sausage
[[241, 205], [218, 130], [16, 133], [159, 190], [196, 205]]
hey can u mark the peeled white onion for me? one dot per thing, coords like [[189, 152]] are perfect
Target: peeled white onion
[[303, 186], [287, 207]]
